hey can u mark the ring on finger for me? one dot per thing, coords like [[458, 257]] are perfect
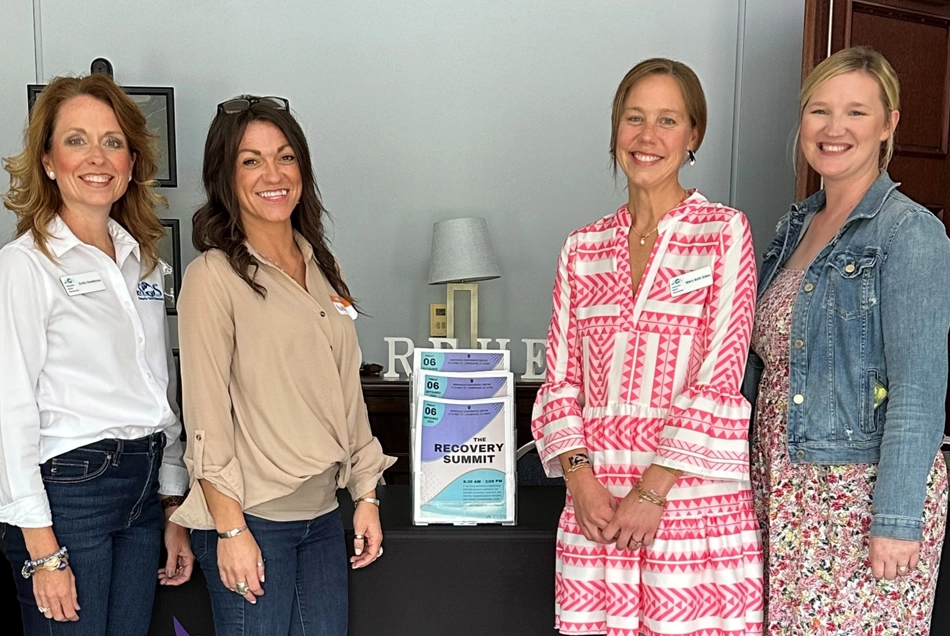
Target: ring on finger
[[380, 553], [902, 569], [260, 564], [43, 610], [358, 537], [242, 588]]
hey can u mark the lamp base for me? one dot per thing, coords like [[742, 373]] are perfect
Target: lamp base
[[450, 290]]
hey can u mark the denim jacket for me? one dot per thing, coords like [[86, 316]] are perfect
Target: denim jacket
[[868, 347]]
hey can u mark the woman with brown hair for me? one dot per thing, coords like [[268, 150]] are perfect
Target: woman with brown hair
[[89, 438], [274, 407]]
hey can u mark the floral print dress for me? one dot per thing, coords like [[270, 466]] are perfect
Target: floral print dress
[[815, 519]]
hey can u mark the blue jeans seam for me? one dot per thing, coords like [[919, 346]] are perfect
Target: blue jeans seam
[[137, 508]]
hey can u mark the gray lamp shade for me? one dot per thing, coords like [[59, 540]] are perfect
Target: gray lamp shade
[[462, 252]]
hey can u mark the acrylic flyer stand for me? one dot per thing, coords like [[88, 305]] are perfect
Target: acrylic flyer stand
[[463, 442]]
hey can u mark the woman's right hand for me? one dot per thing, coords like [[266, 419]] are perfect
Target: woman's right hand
[[594, 506], [240, 561], [56, 591]]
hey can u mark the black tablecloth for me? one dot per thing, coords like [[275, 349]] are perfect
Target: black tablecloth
[[439, 579]]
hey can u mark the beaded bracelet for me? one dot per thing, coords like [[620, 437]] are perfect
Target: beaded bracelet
[[649, 495]]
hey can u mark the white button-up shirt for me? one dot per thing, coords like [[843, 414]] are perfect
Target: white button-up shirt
[[77, 369]]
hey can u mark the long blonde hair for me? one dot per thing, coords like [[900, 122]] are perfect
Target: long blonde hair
[[867, 60], [36, 199]]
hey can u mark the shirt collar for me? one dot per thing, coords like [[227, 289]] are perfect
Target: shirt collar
[[693, 197], [303, 244], [61, 239]]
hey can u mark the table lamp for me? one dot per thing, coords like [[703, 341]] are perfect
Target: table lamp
[[462, 254]]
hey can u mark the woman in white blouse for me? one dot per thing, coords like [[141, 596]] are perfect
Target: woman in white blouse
[[89, 439]]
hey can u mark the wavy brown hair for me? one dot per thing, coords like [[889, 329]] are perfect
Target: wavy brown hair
[[35, 198], [217, 224]]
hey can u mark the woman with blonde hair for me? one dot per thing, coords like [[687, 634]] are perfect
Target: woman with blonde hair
[[849, 368], [89, 438]]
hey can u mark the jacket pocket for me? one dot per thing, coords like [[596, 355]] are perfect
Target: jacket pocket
[[875, 402], [852, 283]]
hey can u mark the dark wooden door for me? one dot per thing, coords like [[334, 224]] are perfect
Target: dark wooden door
[[915, 38]]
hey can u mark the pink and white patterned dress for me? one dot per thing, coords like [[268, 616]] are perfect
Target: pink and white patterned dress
[[653, 377]]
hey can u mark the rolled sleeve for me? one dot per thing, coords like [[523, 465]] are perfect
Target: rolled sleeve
[[707, 429], [556, 420], [206, 338], [24, 312], [915, 319]]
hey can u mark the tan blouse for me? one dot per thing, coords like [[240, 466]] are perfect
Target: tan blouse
[[273, 405]]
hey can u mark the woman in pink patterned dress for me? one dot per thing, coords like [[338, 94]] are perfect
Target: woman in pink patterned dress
[[852, 330], [641, 410]]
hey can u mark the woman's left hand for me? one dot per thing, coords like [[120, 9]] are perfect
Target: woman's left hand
[[181, 560], [891, 558], [368, 535], [634, 523]]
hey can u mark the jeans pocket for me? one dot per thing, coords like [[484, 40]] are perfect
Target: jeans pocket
[[75, 467], [199, 543]]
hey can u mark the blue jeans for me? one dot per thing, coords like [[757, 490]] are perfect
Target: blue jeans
[[305, 587], [106, 511]]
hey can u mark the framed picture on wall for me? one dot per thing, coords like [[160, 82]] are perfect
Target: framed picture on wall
[[158, 105], [169, 250]]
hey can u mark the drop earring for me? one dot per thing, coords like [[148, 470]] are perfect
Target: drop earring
[[692, 157]]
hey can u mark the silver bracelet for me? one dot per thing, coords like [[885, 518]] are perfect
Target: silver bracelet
[[232, 533], [367, 499]]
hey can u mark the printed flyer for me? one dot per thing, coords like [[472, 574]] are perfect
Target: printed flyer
[[466, 386], [463, 461]]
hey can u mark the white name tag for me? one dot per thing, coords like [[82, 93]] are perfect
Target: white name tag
[[691, 281], [86, 283]]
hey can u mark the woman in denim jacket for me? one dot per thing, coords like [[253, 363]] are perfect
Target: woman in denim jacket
[[849, 368]]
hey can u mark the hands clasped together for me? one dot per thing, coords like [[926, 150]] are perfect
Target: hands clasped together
[[630, 523]]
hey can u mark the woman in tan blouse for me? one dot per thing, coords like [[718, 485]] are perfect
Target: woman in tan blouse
[[270, 373]]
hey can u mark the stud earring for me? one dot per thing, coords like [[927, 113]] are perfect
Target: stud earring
[[52, 175], [692, 157], [130, 178]]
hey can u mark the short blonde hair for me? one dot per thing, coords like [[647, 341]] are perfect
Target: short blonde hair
[[867, 60], [36, 200], [690, 87]]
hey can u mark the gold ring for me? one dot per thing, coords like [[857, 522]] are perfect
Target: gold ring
[[241, 588]]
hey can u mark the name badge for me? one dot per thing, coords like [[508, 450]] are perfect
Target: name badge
[[86, 283], [691, 281], [344, 307]]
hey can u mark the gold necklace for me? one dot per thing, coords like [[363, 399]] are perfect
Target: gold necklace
[[643, 237], [276, 264]]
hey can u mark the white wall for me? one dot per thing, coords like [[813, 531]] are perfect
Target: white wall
[[424, 110], [17, 69]]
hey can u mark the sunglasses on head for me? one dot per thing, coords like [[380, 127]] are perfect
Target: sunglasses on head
[[240, 104]]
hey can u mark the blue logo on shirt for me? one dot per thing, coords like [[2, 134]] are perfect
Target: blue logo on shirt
[[148, 291]]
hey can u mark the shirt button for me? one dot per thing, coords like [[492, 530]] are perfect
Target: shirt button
[[800, 454], [323, 314], [799, 344], [798, 399], [849, 267], [809, 287]]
